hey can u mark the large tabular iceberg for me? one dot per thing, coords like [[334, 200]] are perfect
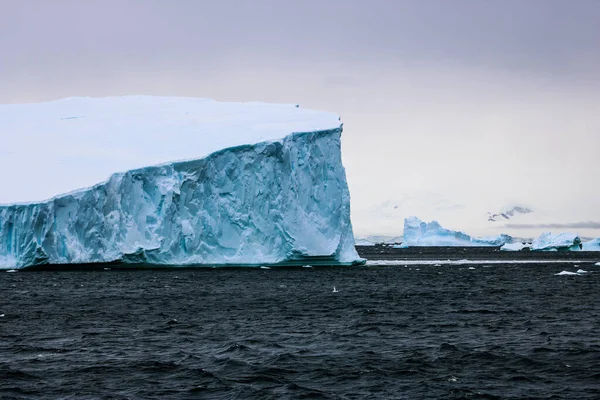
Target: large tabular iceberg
[[270, 188], [419, 233]]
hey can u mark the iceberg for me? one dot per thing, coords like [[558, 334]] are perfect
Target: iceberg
[[364, 242], [419, 233], [258, 184], [592, 245], [518, 246], [557, 242]]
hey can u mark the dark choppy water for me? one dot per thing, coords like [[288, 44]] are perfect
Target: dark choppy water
[[430, 332]]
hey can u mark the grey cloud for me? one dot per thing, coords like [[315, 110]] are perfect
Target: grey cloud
[[573, 225]]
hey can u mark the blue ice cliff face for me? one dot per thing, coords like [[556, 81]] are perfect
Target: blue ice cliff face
[[420, 233], [284, 201]]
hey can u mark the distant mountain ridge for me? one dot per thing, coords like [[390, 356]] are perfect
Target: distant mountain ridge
[[508, 214]]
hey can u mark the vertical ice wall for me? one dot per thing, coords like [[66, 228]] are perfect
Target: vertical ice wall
[[276, 202]]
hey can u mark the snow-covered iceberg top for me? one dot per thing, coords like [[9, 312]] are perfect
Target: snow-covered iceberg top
[[273, 192], [55, 147], [553, 242], [420, 233]]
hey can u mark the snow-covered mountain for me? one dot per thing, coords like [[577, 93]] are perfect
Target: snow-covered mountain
[[508, 213]]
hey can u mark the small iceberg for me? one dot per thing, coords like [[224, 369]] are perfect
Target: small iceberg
[[513, 247], [592, 245], [597, 264], [12, 270], [335, 290], [555, 242], [581, 271], [566, 273]]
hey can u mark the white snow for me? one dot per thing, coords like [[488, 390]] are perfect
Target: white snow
[[285, 200], [553, 242], [419, 233], [56, 147]]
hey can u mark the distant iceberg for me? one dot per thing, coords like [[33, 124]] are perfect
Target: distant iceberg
[[556, 242], [592, 245], [518, 246], [364, 242], [269, 190], [419, 233]]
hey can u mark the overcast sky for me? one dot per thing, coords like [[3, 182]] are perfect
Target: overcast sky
[[451, 108]]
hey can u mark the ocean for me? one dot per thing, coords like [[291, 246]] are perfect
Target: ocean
[[498, 331]]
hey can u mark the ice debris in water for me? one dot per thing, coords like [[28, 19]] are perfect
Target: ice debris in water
[[581, 271], [566, 273], [272, 189]]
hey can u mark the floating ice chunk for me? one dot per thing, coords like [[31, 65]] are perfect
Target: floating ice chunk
[[554, 242], [581, 271], [11, 270], [273, 191], [513, 246], [419, 233], [597, 264], [471, 267], [566, 273]]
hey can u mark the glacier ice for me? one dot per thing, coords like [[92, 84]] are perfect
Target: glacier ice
[[419, 233], [555, 242], [517, 246], [592, 245], [282, 200]]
